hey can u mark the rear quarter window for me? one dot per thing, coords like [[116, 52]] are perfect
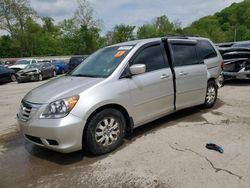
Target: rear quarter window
[[205, 50]]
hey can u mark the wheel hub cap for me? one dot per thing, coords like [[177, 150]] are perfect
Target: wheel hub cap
[[107, 131], [210, 95]]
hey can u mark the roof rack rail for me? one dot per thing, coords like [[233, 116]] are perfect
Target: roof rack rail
[[181, 36]]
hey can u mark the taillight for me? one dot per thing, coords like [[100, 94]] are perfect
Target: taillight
[[222, 65]]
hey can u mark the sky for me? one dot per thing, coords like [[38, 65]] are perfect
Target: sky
[[133, 12]]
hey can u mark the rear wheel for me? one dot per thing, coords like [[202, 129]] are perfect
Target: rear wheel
[[105, 131], [211, 95], [221, 80]]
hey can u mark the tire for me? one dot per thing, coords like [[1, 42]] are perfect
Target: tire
[[98, 132], [63, 71], [211, 95], [13, 77], [40, 77], [19, 81], [54, 73], [221, 81]]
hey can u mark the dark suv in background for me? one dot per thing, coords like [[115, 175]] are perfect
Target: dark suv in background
[[75, 61]]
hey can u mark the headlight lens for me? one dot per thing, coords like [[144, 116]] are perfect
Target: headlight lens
[[59, 108]]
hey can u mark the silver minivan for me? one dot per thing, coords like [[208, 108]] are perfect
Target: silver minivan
[[119, 88]]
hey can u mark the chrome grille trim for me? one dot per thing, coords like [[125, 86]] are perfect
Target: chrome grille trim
[[27, 110]]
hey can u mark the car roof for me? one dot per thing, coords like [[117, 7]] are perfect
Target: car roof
[[24, 59]]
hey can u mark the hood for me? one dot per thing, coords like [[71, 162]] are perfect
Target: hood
[[27, 70], [59, 88], [18, 66]]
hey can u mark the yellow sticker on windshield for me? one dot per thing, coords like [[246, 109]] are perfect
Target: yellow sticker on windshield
[[119, 53]]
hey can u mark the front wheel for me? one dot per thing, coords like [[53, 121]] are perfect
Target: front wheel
[[105, 131], [211, 95], [13, 78], [40, 77]]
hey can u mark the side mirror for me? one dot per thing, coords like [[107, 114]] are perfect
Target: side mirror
[[137, 69]]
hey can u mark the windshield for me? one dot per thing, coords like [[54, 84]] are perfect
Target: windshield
[[103, 62], [22, 62], [34, 66]]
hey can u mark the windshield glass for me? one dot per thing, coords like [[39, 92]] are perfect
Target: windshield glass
[[22, 62], [102, 63], [34, 66]]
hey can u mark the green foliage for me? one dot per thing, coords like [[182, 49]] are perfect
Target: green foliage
[[120, 33], [223, 26], [159, 27]]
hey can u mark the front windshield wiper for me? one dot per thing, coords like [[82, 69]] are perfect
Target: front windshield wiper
[[84, 75]]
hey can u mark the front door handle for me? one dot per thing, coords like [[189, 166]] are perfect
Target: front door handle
[[164, 76], [183, 73]]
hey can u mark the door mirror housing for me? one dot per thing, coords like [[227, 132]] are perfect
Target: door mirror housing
[[137, 69]]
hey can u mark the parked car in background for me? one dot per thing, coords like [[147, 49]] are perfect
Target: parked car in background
[[119, 88], [243, 44], [75, 61], [8, 63], [237, 61], [36, 72], [22, 63], [7, 75], [60, 66]]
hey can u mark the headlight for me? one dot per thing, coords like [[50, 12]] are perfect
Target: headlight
[[59, 108], [30, 73]]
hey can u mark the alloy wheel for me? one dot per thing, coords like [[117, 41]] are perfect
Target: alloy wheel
[[107, 131], [211, 94]]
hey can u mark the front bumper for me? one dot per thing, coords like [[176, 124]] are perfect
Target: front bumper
[[62, 135], [33, 77]]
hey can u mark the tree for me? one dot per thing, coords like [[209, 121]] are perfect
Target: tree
[[13, 17], [159, 27], [87, 40], [84, 14], [120, 33], [147, 31], [48, 25], [207, 27]]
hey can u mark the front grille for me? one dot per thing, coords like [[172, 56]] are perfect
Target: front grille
[[27, 110]]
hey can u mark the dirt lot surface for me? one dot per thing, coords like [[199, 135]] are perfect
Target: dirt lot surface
[[169, 152]]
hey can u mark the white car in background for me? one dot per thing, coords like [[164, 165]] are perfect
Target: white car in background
[[22, 63]]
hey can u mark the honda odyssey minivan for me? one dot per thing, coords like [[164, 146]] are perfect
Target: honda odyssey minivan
[[119, 88]]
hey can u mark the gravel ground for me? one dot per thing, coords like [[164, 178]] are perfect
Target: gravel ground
[[169, 152]]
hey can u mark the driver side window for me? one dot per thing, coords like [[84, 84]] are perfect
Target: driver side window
[[152, 57]]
